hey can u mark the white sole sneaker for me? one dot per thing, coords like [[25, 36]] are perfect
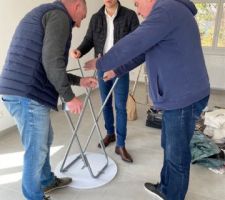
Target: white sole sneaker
[[156, 196]]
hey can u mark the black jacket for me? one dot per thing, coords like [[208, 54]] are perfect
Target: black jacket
[[124, 23]]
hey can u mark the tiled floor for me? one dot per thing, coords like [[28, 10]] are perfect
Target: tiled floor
[[142, 142]]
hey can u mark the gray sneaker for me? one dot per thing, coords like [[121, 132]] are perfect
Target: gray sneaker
[[47, 198], [154, 190], [59, 183]]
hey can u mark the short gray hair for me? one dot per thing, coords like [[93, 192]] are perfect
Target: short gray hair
[[73, 1]]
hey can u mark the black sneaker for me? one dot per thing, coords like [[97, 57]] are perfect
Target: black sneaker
[[59, 183], [153, 189]]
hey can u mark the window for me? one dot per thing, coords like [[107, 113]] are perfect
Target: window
[[221, 39], [206, 19], [211, 21]]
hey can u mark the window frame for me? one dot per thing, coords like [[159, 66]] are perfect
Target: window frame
[[214, 49]]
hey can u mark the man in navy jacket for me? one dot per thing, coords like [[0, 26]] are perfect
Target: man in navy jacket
[[169, 42]]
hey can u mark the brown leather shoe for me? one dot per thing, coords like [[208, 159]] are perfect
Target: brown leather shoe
[[109, 138], [124, 154]]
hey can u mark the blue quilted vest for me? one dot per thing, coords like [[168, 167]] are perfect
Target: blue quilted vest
[[23, 73]]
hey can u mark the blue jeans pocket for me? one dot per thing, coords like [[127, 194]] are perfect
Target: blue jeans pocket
[[10, 99], [12, 103]]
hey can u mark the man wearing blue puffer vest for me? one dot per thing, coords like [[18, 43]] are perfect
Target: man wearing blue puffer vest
[[168, 41], [33, 77]]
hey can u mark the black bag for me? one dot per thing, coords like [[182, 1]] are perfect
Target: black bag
[[154, 118]]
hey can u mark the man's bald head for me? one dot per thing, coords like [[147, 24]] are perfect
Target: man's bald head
[[144, 7], [73, 1], [77, 10]]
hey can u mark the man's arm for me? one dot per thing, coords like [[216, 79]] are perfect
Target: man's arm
[[120, 71], [134, 22], [73, 79], [57, 32], [87, 43], [149, 33]]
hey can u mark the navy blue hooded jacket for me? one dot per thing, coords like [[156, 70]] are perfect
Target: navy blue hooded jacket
[[169, 42]]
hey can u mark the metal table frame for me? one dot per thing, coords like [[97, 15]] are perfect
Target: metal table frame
[[75, 130]]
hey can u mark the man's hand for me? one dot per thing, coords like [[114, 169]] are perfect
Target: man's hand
[[75, 105], [88, 82], [90, 65], [109, 75], [75, 53]]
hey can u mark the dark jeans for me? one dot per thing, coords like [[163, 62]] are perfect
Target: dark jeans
[[177, 131], [120, 94]]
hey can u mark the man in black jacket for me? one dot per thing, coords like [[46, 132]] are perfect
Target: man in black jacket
[[107, 26]]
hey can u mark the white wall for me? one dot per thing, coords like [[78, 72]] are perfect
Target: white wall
[[11, 11], [216, 68]]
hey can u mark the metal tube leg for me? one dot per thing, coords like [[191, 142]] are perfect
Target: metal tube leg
[[95, 121], [93, 128], [75, 132], [91, 134], [101, 109]]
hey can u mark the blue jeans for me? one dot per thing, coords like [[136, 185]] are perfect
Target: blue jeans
[[177, 131], [33, 122], [120, 94]]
